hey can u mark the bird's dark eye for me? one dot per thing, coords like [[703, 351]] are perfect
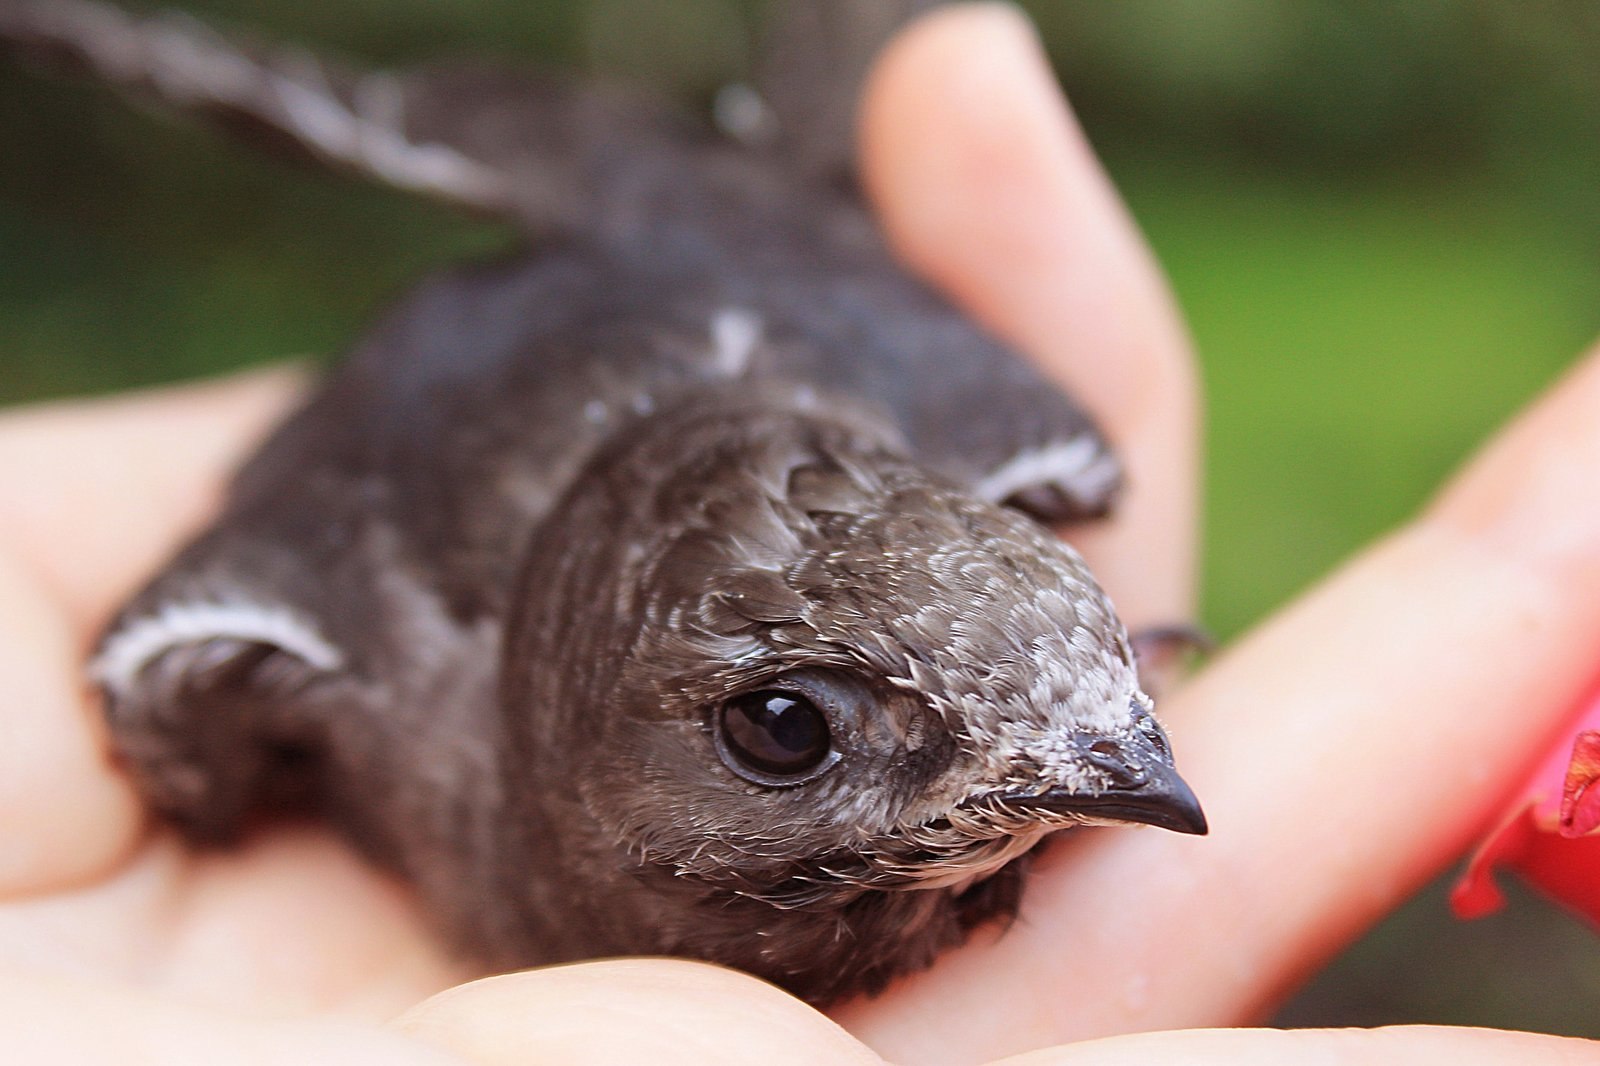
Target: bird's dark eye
[[774, 737]]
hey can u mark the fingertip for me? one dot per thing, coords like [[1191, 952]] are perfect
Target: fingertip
[[1416, 1044], [958, 114], [985, 182], [69, 815], [153, 462], [630, 1010], [986, 186], [67, 1020], [96, 492]]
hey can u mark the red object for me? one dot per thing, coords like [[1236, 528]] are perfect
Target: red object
[[1580, 795], [1551, 836]]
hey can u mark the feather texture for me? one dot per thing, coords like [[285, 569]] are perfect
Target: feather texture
[[493, 597]]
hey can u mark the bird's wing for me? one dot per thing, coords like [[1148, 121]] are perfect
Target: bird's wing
[[968, 405], [261, 671], [508, 143], [497, 142], [212, 693]]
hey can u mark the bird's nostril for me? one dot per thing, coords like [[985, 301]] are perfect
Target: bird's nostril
[[1111, 758], [1124, 765]]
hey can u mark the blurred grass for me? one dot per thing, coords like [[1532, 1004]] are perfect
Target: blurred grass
[[1356, 343], [1380, 218], [135, 250]]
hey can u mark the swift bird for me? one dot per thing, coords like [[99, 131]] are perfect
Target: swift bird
[[681, 585]]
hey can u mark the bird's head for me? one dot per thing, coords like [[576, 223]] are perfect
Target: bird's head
[[831, 672]]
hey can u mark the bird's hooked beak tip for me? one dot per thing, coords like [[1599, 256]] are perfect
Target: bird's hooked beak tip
[[1140, 786], [1163, 800], [1166, 801], [1190, 818]]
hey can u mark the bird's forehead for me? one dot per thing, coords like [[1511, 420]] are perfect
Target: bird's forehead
[[978, 611], [986, 634]]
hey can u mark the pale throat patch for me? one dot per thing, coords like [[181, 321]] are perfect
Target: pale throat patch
[[142, 641], [1045, 747]]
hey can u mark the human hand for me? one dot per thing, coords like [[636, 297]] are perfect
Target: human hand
[[1343, 751]]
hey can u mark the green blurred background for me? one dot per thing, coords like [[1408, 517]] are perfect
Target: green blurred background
[[1381, 217]]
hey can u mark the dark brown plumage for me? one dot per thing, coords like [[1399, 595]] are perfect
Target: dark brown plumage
[[679, 587]]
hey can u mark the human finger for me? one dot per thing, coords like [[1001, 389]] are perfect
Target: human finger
[[288, 922], [1413, 1045], [67, 814], [1345, 751], [660, 1011], [92, 495], [77, 1022], [98, 492], [986, 185]]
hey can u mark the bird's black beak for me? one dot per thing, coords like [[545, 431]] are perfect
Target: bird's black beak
[[1163, 799], [1142, 786]]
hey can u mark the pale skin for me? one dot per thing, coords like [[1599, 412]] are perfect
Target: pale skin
[[1345, 750]]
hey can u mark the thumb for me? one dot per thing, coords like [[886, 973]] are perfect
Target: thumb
[[1415, 1045], [630, 1010]]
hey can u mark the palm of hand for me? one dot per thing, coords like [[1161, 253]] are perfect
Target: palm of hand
[[1329, 747], [93, 889]]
